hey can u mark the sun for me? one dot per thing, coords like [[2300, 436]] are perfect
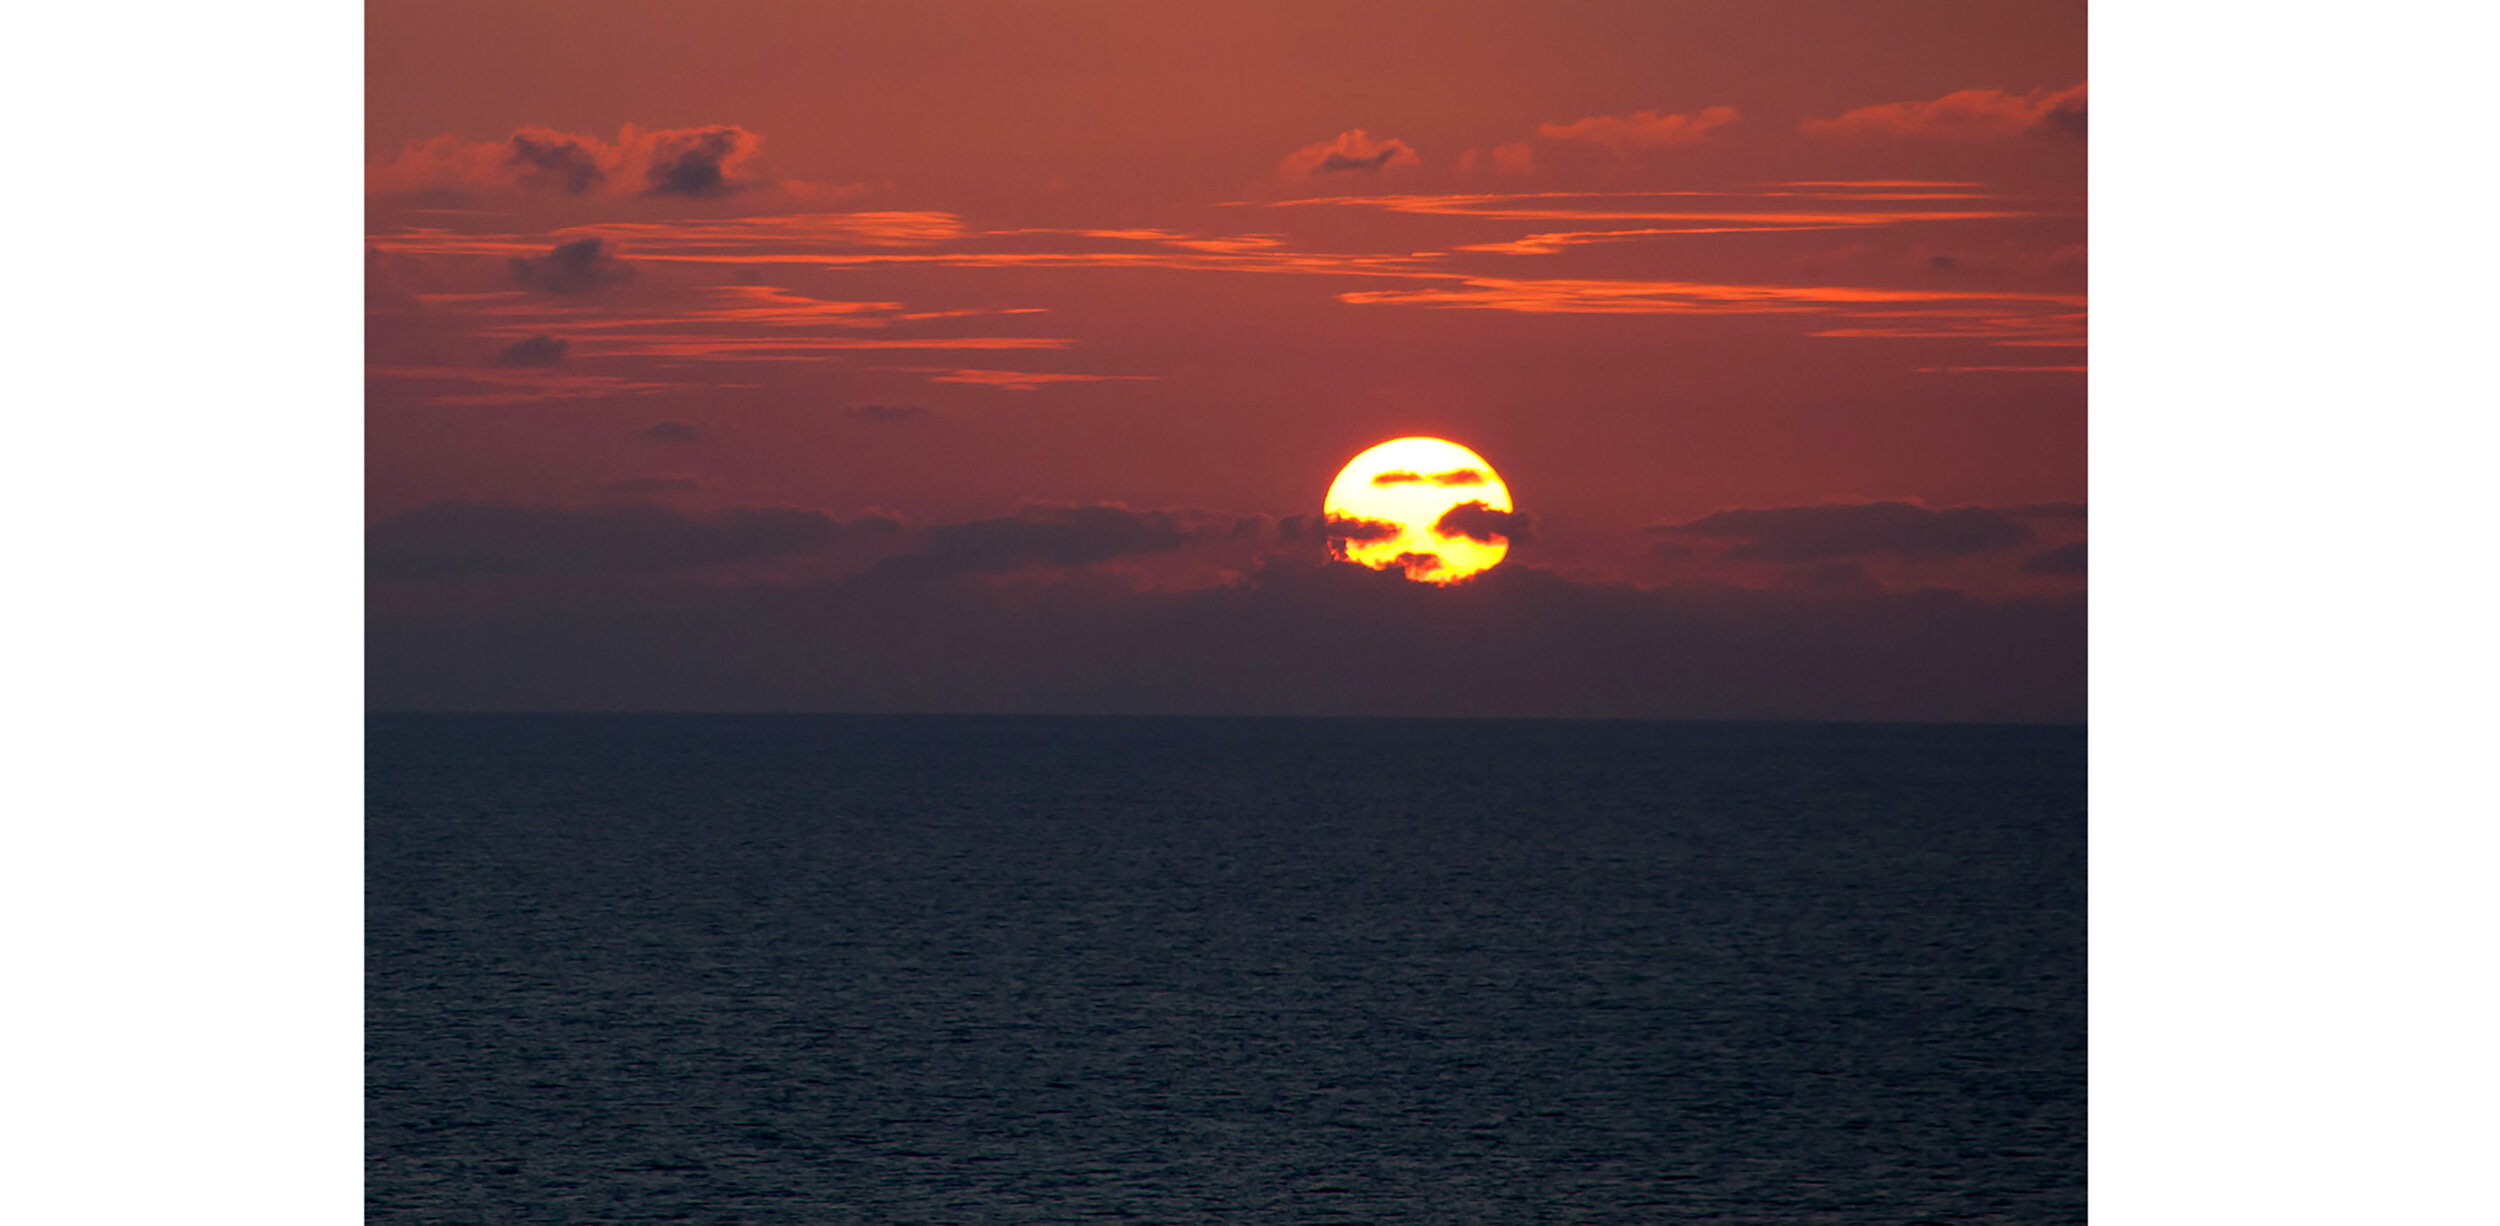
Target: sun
[[1426, 506]]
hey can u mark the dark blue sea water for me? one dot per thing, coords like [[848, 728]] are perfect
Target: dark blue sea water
[[958, 970]]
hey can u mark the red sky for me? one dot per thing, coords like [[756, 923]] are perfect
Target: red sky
[[941, 264]]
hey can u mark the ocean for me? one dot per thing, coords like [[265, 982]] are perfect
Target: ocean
[[838, 969]]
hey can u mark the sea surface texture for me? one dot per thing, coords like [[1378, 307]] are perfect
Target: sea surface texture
[[796, 969]]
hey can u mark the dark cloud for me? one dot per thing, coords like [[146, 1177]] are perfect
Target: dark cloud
[[2063, 560], [1456, 476], [577, 267], [1289, 638], [470, 539], [1336, 163], [1475, 519], [1416, 565], [648, 485], [888, 413], [2048, 510], [673, 432], [1349, 152], [1038, 536], [2068, 115], [1289, 529], [1847, 530], [556, 160], [695, 163], [541, 350], [1350, 528]]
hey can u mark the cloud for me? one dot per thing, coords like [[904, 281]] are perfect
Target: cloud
[[1349, 152], [888, 413], [1848, 530], [1012, 380], [2063, 560], [1456, 476], [1038, 536], [1640, 130], [1354, 528], [697, 163], [540, 350], [555, 160], [1285, 638], [1964, 115], [672, 432], [2048, 510], [469, 539], [705, 161], [1415, 565], [578, 267], [1482, 522]]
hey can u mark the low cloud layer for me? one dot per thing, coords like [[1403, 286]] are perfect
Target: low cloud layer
[[1856, 530], [1290, 637], [2063, 560], [471, 539], [1039, 536]]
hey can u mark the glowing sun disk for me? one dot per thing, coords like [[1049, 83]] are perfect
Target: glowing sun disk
[[1405, 505]]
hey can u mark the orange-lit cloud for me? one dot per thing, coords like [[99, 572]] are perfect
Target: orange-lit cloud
[[1011, 380], [706, 161], [1530, 206], [1640, 130], [1349, 152], [1964, 115], [517, 385]]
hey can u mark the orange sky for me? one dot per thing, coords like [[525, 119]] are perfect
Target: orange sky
[[938, 262]]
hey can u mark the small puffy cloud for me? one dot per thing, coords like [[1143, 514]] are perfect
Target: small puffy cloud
[[673, 432], [1397, 476], [556, 161], [1348, 152], [1482, 522], [1640, 130], [888, 414], [540, 350], [1964, 115], [1850, 530], [698, 162], [578, 267], [2063, 560], [705, 161]]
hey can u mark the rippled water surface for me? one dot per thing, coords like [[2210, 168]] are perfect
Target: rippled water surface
[[765, 969]]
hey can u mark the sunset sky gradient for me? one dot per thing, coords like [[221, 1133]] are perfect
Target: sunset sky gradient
[[996, 357]]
